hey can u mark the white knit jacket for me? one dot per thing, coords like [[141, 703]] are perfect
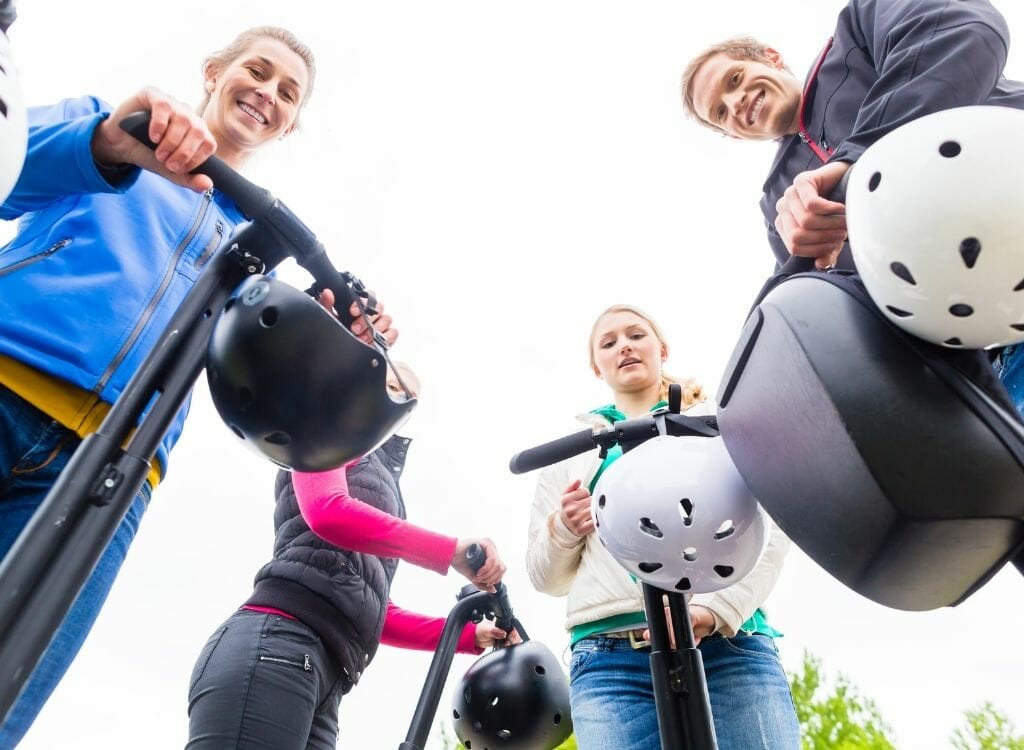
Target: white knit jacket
[[560, 563]]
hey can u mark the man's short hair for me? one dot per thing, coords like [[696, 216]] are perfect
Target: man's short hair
[[736, 47]]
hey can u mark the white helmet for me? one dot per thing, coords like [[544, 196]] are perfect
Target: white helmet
[[935, 214], [676, 514], [13, 121]]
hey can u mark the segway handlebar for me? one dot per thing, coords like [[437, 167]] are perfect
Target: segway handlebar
[[259, 205], [626, 432]]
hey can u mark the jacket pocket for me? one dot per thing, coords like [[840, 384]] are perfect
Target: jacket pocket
[[19, 264], [211, 246]]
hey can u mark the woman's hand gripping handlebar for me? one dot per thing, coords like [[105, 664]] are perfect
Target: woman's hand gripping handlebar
[[287, 231]]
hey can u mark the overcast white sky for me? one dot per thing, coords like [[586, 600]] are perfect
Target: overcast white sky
[[499, 173]]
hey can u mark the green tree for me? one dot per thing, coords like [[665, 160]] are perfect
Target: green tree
[[838, 718], [987, 729]]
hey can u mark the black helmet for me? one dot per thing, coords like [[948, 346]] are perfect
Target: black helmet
[[290, 380], [514, 698]]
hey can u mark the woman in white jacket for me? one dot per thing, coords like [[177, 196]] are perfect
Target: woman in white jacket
[[610, 678]]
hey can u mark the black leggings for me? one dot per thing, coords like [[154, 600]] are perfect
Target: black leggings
[[264, 681]]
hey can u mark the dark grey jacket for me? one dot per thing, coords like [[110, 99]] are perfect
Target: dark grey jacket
[[342, 595], [892, 61]]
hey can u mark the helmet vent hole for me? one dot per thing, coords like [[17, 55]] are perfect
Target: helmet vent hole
[[683, 584], [903, 272], [970, 249], [686, 511], [953, 342], [961, 310], [237, 431], [229, 304], [949, 149], [649, 567], [456, 714], [558, 719], [875, 180], [650, 528], [690, 554], [494, 701], [724, 570], [504, 734], [477, 726], [898, 312], [278, 438], [601, 501], [726, 530], [268, 317], [469, 744], [1017, 326], [540, 670], [1020, 285]]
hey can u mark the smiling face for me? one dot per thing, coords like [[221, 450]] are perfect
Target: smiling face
[[255, 98], [626, 353], [748, 99]]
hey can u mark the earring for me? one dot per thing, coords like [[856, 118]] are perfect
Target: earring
[[210, 86]]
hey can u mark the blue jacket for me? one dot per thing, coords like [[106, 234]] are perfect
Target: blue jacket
[[96, 271], [892, 61]]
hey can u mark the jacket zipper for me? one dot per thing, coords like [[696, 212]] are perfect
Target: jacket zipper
[[60, 245], [151, 307], [211, 246], [304, 666], [823, 152]]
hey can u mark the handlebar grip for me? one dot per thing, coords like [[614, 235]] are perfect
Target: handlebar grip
[[476, 556], [552, 452], [797, 264], [251, 199]]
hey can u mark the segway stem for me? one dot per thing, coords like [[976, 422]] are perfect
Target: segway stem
[[677, 675], [54, 555], [472, 605]]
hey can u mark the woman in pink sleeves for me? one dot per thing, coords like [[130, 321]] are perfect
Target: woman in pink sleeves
[[272, 676]]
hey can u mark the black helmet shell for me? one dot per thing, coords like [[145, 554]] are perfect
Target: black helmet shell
[[513, 698], [290, 380]]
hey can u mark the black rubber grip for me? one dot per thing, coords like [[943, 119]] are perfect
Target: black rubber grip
[[476, 556], [251, 199], [552, 452]]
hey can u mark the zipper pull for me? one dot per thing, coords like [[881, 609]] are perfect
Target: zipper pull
[[305, 663]]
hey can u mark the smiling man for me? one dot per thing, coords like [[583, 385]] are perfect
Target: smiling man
[[886, 63]]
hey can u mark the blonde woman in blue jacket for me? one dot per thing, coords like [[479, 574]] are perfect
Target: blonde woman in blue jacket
[[112, 236]]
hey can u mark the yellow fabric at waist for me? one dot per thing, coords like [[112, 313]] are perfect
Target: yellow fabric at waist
[[79, 410]]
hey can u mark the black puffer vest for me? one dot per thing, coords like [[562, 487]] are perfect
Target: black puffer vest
[[341, 594]]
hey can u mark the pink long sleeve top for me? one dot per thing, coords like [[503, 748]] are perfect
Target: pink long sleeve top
[[344, 521]]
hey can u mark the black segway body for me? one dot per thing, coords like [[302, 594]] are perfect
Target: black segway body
[[897, 465]]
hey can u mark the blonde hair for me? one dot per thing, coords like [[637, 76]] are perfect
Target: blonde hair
[[221, 59], [693, 392], [738, 48]]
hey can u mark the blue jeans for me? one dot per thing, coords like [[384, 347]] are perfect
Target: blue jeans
[[613, 700], [264, 682], [33, 450], [1010, 368]]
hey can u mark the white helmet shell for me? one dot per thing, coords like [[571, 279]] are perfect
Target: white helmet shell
[[935, 215], [676, 514], [13, 121]]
